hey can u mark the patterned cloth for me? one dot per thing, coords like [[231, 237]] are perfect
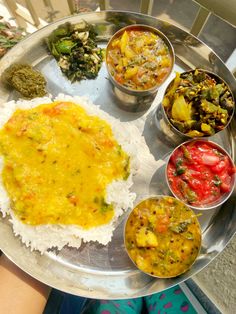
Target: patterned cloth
[[171, 301]]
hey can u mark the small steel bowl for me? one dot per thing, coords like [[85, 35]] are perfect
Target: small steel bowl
[[224, 196], [182, 245], [137, 99], [171, 132]]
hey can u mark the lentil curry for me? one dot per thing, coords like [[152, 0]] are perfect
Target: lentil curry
[[163, 236], [58, 161]]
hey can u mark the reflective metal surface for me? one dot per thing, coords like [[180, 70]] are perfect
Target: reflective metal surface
[[106, 272]]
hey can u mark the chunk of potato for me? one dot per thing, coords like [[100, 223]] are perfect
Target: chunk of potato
[[165, 62], [125, 61], [129, 53], [194, 133], [146, 238], [130, 72], [176, 83], [181, 110], [124, 41], [206, 128], [142, 263], [116, 43]]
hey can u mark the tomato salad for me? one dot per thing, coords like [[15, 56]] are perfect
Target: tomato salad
[[200, 173]]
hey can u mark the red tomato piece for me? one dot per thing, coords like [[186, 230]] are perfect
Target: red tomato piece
[[210, 159], [225, 187], [162, 224], [161, 228], [177, 155], [195, 184], [225, 182], [222, 165]]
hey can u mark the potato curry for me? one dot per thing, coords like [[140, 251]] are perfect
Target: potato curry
[[139, 59], [58, 161], [162, 236]]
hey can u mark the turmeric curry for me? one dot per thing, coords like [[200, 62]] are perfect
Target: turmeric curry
[[163, 236], [58, 161]]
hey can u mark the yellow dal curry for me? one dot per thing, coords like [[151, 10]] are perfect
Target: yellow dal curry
[[58, 161], [163, 236]]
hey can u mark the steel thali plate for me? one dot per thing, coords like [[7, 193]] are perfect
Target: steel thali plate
[[105, 272]]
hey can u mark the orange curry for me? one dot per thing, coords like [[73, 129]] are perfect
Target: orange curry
[[163, 236], [139, 59]]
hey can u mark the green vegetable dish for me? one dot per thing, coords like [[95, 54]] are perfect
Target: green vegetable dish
[[75, 49], [198, 103], [24, 79]]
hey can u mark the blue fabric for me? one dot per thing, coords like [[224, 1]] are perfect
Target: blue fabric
[[170, 301], [72, 304], [63, 303]]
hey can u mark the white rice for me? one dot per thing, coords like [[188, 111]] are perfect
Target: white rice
[[43, 237]]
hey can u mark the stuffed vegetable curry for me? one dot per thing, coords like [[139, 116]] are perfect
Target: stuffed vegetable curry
[[163, 236], [198, 103]]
